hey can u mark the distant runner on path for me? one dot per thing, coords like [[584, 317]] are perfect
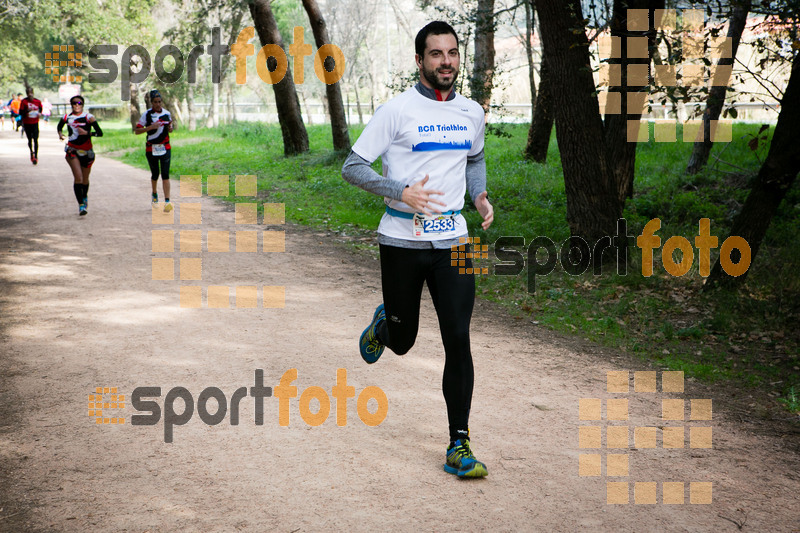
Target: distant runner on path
[[29, 109], [80, 156], [157, 123]]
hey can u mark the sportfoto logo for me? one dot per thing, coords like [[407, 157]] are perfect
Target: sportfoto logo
[[107, 69], [141, 400], [576, 254]]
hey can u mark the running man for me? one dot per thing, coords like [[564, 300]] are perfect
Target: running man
[[80, 156], [430, 140], [29, 109], [157, 122]]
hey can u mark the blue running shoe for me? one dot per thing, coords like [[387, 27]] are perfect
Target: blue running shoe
[[369, 345], [82, 210], [461, 461]]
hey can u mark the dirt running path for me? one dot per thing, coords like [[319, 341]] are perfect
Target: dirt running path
[[80, 310]]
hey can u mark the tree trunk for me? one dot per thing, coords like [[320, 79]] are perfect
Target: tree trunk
[[593, 205], [305, 105], [480, 85], [358, 102], [621, 152], [295, 136], [341, 136], [529, 26], [135, 110], [174, 106], [190, 106], [213, 110], [542, 123], [774, 179], [231, 103], [716, 96]]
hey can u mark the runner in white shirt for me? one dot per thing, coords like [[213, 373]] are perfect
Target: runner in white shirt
[[430, 140]]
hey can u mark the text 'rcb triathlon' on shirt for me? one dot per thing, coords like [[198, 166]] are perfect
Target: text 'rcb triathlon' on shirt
[[73, 122], [160, 135]]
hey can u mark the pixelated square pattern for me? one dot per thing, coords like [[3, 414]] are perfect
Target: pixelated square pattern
[[617, 465], [617, 493], [700, 493], [158, 216], [617, 437], [218, 186], [218, 241], [191, 186], [589, 464], [274, 241], [162, 241], [700, 437], [163, 268], [617, 409], [644, 381], [245, 185], [645, 493], [589, 437], [190, 213], [672, 409], [665, 131], [274, 297], [63, 55], [247, 241], [610, 103], [672, 437], [701, 409], [644, 438], [191, 297], [698, 47], [219, 297], [246, 213], [672, 493], [590, 408], [672, 381], [274, 213], [102, 401], [246, 297], [191, 268], [459, 253], [191, 241], [617, 381]]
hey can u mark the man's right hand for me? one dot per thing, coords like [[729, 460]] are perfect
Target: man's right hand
[[419, 199]]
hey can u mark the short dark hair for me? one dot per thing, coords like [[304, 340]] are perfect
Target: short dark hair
[[77, 97], [437, 27]]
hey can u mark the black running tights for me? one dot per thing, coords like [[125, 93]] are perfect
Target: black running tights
[[403, 272]]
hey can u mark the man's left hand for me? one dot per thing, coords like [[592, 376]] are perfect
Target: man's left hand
[[485, 209]]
